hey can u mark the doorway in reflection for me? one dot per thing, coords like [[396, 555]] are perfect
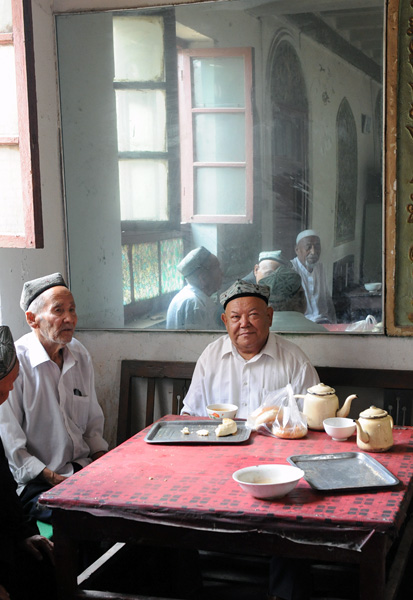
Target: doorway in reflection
[[230, 125]]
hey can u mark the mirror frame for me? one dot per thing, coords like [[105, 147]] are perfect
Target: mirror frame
[[398, 150]]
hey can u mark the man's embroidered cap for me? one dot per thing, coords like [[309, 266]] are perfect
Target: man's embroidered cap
[[241, 289], [8, 355]]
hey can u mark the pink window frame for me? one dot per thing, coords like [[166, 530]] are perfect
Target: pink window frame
[[27, 141], [186, 112]]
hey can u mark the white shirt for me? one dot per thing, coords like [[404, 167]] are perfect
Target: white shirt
[[44, 423], [222, 375], [191, 308], [319, 302]]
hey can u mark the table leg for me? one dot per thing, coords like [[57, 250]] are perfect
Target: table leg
[[66, 556], [373, 569]]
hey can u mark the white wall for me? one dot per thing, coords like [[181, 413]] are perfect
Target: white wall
[[108, 348]]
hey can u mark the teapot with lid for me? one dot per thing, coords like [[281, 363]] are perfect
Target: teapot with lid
[[321, 402], [374, 430]]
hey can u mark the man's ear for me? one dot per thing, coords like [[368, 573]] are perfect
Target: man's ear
[[31, 319], [224, 318], [256, 269], [270, 313]]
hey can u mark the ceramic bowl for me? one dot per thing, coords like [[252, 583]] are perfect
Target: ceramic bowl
[[222, 411], [372, 287], [268, 481], [339, 428]]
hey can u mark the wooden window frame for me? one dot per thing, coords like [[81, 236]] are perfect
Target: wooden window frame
[[27, 140], [186, 113]]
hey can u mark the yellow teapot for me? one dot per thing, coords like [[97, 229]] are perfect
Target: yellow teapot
[[374, 430], [321, 402]]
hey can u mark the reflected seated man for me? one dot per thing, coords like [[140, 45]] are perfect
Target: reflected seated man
[[287, 298], [193, 307], [320, 307], [268, 262]]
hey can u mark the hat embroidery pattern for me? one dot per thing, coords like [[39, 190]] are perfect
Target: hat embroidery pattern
[[8, 355], [242, 289]]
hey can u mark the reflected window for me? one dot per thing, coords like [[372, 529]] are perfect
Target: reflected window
[[347, 172]]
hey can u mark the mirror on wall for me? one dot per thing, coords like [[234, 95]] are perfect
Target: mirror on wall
[[232, 127]]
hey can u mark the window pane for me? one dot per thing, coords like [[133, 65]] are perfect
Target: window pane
[[219, 137], [11, 203], [172, 252], [8, 99], [218, 82], [127, 292], [132, 36], [6, 25], [220, 191], [143, 190], [145, 268], [141, 120]]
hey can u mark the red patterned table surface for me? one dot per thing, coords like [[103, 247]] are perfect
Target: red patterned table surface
[[193, 485]]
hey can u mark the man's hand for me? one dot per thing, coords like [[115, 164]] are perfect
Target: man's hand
[[39, 546], [51, 477], [4, 594], [97, 455]]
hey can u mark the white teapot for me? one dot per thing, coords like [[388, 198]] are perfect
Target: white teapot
[[321, 402], [374, 430]]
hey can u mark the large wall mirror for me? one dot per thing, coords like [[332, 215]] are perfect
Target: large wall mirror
[[232, 126]]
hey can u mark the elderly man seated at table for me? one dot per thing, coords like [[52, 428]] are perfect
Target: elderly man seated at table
[[193, 307], [52, 425], [287, 298], [238, 366], [320, 307], [268, 262], [26, 569]]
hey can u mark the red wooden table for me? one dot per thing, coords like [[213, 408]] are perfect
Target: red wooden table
[[184, 496]]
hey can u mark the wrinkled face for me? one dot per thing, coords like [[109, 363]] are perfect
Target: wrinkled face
[[56, 321], [6, 384], [248, 322], [265, 268], [308, 251]]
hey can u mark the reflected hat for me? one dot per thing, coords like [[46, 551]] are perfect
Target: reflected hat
[[276, 255], [306, 233], [284, 283], [8, 355], [32, 289], [193, 261], [241, 289]]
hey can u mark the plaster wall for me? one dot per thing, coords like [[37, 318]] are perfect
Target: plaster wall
[[109, 347]]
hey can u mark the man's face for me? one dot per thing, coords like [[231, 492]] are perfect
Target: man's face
[[56, 321], [6, 384], [265, 268], [308, 251], [248, 322]]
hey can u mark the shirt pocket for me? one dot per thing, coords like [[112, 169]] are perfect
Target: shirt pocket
[[80, 411]]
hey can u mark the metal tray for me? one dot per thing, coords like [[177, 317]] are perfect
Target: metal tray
[[170, 432], [343, 471]]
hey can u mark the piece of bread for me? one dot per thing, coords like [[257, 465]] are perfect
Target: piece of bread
[[227, 427], [266, 415]]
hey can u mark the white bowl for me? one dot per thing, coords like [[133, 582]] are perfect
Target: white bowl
[[339, 428], [372, 287], [222, 411], [268, 481]]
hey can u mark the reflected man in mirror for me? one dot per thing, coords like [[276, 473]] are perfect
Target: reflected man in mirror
[[268, 262], [193, 307], [52, 424], [287, 298], [320, 307]]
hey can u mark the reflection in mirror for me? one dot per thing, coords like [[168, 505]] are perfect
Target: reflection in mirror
[[230, 127]]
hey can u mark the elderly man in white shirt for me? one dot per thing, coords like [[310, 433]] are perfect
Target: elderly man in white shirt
[[52, 424], [237, 367], [320, 307]]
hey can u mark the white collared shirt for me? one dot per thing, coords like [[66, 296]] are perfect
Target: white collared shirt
[[45, 422], [319, 302], [222, 376]]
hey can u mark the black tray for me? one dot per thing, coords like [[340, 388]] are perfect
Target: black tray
[[343, 471], [170, 432]]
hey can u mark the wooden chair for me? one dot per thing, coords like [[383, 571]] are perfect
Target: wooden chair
[[153, 371]]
